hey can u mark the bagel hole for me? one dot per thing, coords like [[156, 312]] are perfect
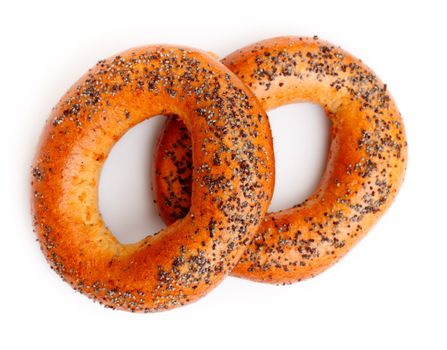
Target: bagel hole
[[125, 195], [301, 135]]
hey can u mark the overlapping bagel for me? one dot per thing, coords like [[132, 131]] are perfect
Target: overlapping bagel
[[365, 168], [233, 178]]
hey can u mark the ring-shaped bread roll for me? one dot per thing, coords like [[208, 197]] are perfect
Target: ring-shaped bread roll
[[365, 169], [229, 197]]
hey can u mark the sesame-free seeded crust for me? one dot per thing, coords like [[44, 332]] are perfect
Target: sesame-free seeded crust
[[365, 168], [187, 259]]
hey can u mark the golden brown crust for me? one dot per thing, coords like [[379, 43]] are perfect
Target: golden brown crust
[[187, 259], [365, 169]]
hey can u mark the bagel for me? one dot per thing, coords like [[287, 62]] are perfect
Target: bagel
[[365, 168], [187, 259]]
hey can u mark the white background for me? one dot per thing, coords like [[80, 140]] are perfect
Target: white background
[[389, 292]]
